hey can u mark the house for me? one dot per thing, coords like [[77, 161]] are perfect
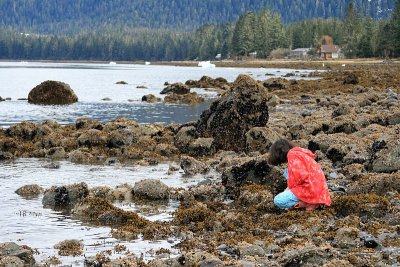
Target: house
[[328, 51], [299, 53]]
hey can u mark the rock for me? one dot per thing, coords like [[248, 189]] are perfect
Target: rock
[[6, 156], [152, 189], [106, 99], [256, 196], [29, 191], [56, 153], [11, 261], [2, 99], [342, 109], [211, 262], [121, 82], [141, 87], [11, 249], [64, 197], [69, 247], [201, 147], [350, 78], [192, 166], [275, 84], [190, 99], [346, 238], [306, 255], [150, 98], [80, 156], [367, 205], [52, 93], [252, 170], [246, 249], [184, 137], [208, 82], [273, 101], [120, 193], [261, 138], [387, 155], [237, 111], [176, 88], [120, 138], [91, 138], [85, 123], [289, 74], [25, 130]]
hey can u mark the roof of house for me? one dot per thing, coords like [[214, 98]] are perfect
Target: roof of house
[[329, 48]]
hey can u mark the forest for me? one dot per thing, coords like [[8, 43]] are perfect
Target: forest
[[72, 16], [263, 32]]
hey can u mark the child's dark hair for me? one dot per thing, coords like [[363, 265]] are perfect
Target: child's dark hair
[[278, 151]]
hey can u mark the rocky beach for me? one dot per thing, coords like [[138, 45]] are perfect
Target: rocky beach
[[348, 116]]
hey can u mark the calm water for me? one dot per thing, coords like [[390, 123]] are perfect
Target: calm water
[[93, 82], [27, 222]]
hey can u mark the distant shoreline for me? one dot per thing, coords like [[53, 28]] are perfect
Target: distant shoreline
[[253, 63]]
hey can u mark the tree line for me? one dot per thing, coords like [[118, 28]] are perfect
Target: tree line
[[261, 32]]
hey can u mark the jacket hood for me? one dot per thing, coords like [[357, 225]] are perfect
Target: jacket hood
[[303, 151]]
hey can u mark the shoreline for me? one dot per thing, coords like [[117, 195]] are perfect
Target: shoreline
[[253, 63]]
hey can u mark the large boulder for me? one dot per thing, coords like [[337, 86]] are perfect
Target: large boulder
[[52, 93], [229, 118]]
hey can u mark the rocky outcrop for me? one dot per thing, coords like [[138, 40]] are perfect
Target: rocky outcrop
[[52, 93], [237, 111], [64, 197], [176, 88]]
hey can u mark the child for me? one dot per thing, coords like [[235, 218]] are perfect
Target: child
[[307, 186]]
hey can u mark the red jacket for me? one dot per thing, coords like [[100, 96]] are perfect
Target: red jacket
[[306, 179]]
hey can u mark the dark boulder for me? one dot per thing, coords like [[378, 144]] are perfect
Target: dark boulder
[[64, 197], [252, 171], [52, 93], [235, 113], [150, 98]]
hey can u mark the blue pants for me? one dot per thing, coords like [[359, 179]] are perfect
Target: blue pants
[[286, 199]]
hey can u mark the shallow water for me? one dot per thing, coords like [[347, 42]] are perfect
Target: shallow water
[[27, 222], [93, 82]]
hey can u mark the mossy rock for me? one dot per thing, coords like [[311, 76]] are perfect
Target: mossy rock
[[52, 93]]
